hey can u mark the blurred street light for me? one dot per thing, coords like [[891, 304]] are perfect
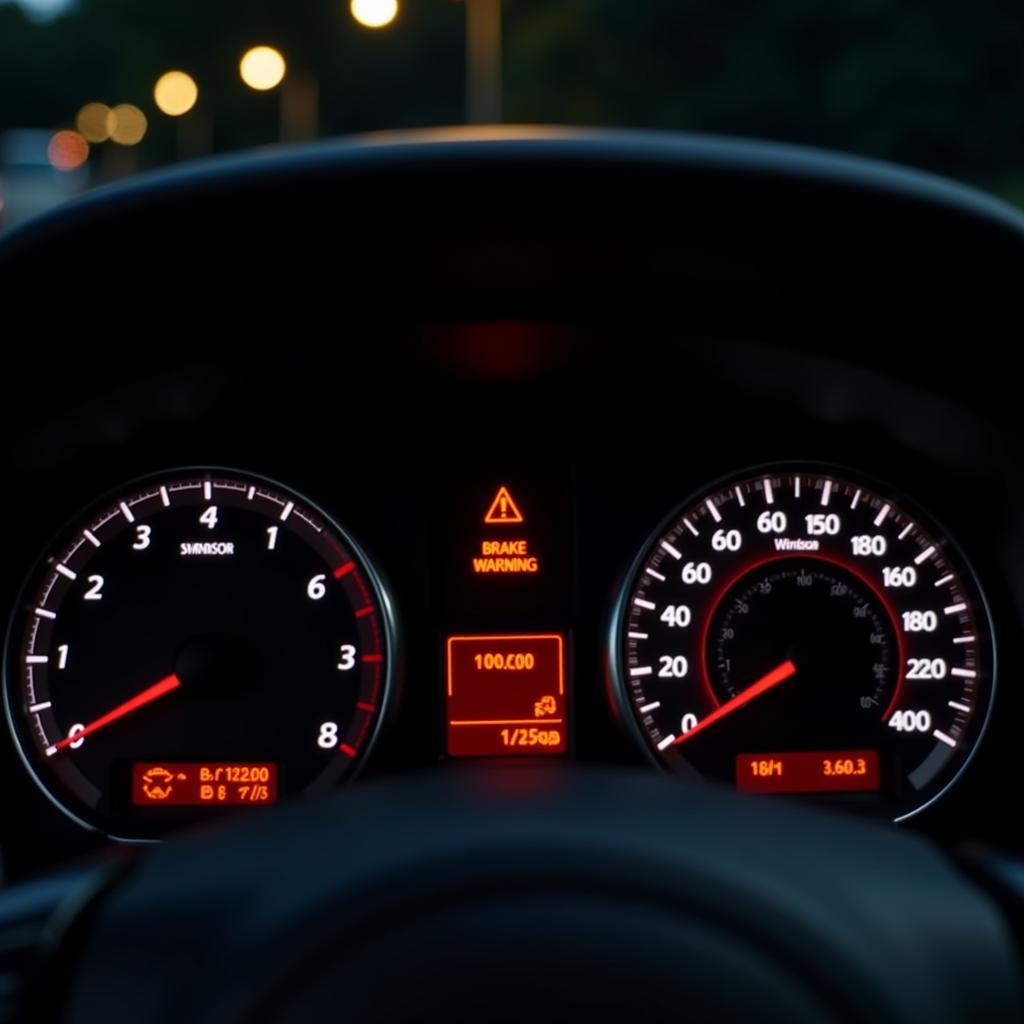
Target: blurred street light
[[374, 13], [67, 150], [127, 125], [93, 122], [262, 68], [175, 93]]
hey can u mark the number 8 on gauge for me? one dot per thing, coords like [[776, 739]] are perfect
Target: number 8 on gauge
[[795, 631]]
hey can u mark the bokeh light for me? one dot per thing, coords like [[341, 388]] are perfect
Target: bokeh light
[[262, 68], [127, 125], [175, 93], [93, 122], [67, 150], [374, 13]]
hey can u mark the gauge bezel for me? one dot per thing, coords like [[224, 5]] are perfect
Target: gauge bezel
[[613, 655], [377, 580]]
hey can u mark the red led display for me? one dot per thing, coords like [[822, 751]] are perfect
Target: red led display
[[199, 783], [506, 695], [826, 771]]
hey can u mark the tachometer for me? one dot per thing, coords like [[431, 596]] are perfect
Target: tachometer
[[204, 640], [795, 631]]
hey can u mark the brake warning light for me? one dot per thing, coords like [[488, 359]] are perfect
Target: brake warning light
[[503, 509]]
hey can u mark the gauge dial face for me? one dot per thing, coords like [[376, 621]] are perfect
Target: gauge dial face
[[798, 632], [203, 641]]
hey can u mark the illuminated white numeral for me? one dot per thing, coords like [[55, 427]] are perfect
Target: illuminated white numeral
[[142, 535], [346, 657], [689, 722], [62, 656], [95, 591], [677, 615], [271, 538], [911, 721], [209, 517], [74, 731], [328, 738], [673, 667], [926, 668], [771, 522], [899, 576], [868, 544], [819, 524], [920, 622], [727, 540], [696, 572], [316, 588]]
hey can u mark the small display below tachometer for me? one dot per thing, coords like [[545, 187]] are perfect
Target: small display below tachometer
[[202, 641], [798, 632]]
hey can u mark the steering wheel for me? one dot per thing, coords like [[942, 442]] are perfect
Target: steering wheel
[[536, 893]]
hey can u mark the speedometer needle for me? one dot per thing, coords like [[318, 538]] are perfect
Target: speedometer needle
[[763, 685], [151, 693]]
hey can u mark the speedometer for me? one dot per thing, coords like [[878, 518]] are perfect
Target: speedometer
[[796, 631]]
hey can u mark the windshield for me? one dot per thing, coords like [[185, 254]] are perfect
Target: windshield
[[92, 91]]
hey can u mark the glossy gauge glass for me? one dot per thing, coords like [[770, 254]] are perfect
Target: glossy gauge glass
[[797, 631], [203, 641]]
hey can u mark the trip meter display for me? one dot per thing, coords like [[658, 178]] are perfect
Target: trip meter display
[[200, 641], [798, 632]]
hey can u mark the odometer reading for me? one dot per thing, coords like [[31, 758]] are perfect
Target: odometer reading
[[799, 612], [204, 640]]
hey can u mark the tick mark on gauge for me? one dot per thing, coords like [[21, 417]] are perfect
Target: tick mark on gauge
[[674, 552], [363, 706], [363, 612], [963, 639], [344, 570], [826, 493], [925, 555], [957, 706], [372, 659], [906, 529], [66, 572], [654, 572], [963, 673], [667, 741], [43, 613], [287, 511], [36, 708], [796, 487], [740, 498], [943, 738], [693, 529], [856, 500], [650, 707], [126, 512], [641, 670], [641, 603], [945, 579], [36, 659], [769, 494], [954, 609], [91, 538], [346, 749], [207, 491], [165, 498], [638, 636], [880, 518], [715, 514]]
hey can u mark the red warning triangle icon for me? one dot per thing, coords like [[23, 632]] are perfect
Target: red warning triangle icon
[[503, 509]]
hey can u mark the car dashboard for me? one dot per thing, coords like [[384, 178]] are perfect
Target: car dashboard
[[512, 454]]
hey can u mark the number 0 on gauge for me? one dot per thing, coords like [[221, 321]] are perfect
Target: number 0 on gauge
[[796, 631]]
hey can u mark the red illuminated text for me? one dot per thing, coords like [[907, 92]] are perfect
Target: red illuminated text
[[809, 772], [169, 783]]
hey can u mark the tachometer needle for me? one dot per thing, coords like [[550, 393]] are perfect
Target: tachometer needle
[[763, 685], [148, 695]]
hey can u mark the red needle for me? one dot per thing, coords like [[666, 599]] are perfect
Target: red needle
[[763, 685], [139, 700]]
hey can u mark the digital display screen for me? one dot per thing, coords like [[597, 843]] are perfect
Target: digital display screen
[[828, 771], [203, 783], [506, 695]]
